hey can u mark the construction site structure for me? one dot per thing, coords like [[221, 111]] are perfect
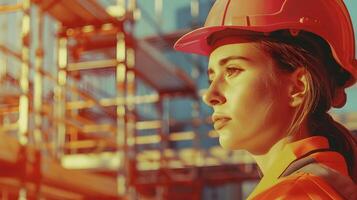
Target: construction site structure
[[86, 109]]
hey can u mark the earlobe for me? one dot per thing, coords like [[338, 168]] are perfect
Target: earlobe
[[298, 87]]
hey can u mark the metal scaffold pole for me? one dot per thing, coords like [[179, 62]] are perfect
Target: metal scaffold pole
[[38, 80], [10, 8], [164, 131], [24, 107], [24, 75], [121, 135], [131, 122], [37, 107], [60, 97]]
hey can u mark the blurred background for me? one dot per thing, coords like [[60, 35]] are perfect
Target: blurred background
[[95, 104]]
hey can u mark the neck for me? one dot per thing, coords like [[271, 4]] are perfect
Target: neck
[[265, 161]]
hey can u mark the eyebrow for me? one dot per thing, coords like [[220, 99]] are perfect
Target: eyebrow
[[224, 61]]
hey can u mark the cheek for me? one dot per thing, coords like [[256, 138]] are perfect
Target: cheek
[[259, 106], [252, 99]]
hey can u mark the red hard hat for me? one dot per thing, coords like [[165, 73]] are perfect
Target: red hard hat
[[328, 19]]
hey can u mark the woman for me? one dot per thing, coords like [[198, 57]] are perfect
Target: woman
[[275, 69]]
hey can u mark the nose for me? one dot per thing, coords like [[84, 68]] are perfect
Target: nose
[[213, 95]]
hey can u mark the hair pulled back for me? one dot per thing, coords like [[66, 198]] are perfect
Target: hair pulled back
[[326, 81]]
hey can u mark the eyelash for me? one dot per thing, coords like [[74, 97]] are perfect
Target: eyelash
[[234, 69]]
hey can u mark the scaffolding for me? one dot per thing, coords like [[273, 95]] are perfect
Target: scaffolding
[[34, 125], [84, 112]]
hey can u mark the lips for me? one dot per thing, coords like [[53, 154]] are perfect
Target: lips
[[219, 121]]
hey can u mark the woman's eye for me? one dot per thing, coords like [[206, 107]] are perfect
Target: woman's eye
[[230, 71]]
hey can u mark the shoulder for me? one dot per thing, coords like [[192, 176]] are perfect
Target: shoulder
[[300, 186]]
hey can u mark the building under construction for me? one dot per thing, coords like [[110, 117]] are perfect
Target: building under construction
[[95, 104]]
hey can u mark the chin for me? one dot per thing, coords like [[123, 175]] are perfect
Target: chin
[[229, 144], [256, 151]]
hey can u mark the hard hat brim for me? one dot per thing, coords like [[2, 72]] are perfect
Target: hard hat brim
[[195, 42]]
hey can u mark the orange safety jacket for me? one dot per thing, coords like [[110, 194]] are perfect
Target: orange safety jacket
[[300, 185]]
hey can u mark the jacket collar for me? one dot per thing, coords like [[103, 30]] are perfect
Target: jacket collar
[[290, 153]]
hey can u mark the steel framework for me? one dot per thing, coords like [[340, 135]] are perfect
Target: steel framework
[[83, 113]]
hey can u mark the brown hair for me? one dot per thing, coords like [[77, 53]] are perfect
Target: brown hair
[[325, 79]]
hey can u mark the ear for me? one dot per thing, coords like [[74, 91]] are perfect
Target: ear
[[298, 87]]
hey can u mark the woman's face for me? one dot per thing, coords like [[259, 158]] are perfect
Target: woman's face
[[249, 98]]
